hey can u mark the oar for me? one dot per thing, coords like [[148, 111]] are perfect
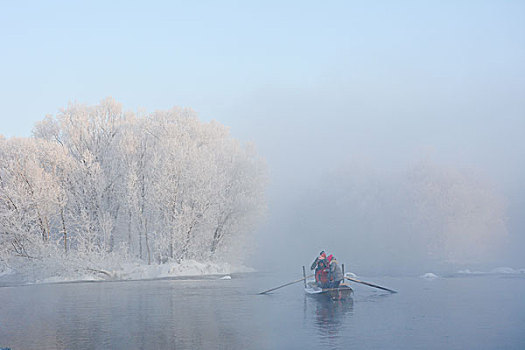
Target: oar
[[370, 284], [287, 284]]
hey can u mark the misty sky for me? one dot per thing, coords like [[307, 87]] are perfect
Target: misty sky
[[316, 85]]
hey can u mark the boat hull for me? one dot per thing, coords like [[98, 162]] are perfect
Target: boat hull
[[343, 292]]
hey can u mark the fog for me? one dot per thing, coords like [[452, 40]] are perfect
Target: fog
[[342, 170], [393, 131]]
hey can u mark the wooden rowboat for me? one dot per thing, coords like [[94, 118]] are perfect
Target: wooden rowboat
[[343, 292]]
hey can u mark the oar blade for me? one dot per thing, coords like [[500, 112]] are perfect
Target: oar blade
[[284, 285], [370, 284]]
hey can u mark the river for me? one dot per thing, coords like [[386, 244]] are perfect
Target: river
[[457, 312]]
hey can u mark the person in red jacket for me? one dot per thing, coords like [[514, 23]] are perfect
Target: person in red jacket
[[322, 256], [321, 266]]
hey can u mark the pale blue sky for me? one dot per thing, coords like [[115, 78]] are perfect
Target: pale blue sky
[[312, 83], [441, 74]]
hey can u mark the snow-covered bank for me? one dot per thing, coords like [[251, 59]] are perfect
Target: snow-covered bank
[[5, 271], [135, 271], [496, 271], [185, 268]]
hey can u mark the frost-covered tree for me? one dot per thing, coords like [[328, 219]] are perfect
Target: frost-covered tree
[[429, 215], [460, 215], [94, 181], [31, 198]]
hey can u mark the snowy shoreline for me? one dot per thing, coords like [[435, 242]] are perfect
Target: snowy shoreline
[[138, 271], [498, 271]]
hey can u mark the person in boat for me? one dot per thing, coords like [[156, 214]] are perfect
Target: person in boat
[[315, 264], [335, 274], [321, 267]]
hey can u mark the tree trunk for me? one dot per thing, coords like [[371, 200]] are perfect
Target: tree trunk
[[64, 232], [216, 238], [130, 245], [147, 243], [46, 223], [140, 244], [217, 235]]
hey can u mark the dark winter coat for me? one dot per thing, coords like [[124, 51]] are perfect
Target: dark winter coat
[[336, 274], [316, 265]]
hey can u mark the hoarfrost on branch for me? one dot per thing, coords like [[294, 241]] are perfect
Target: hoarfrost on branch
[[95, 186]]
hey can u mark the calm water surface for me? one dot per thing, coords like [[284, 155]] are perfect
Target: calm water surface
[[478, 312]]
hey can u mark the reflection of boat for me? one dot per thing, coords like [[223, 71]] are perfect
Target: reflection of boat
[[343, 292], [328, 317]]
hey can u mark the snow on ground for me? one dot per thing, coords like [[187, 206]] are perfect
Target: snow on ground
[[6, 272], [185, 268], [138, 271], [496, 271], [507, 270], [62, 279]]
